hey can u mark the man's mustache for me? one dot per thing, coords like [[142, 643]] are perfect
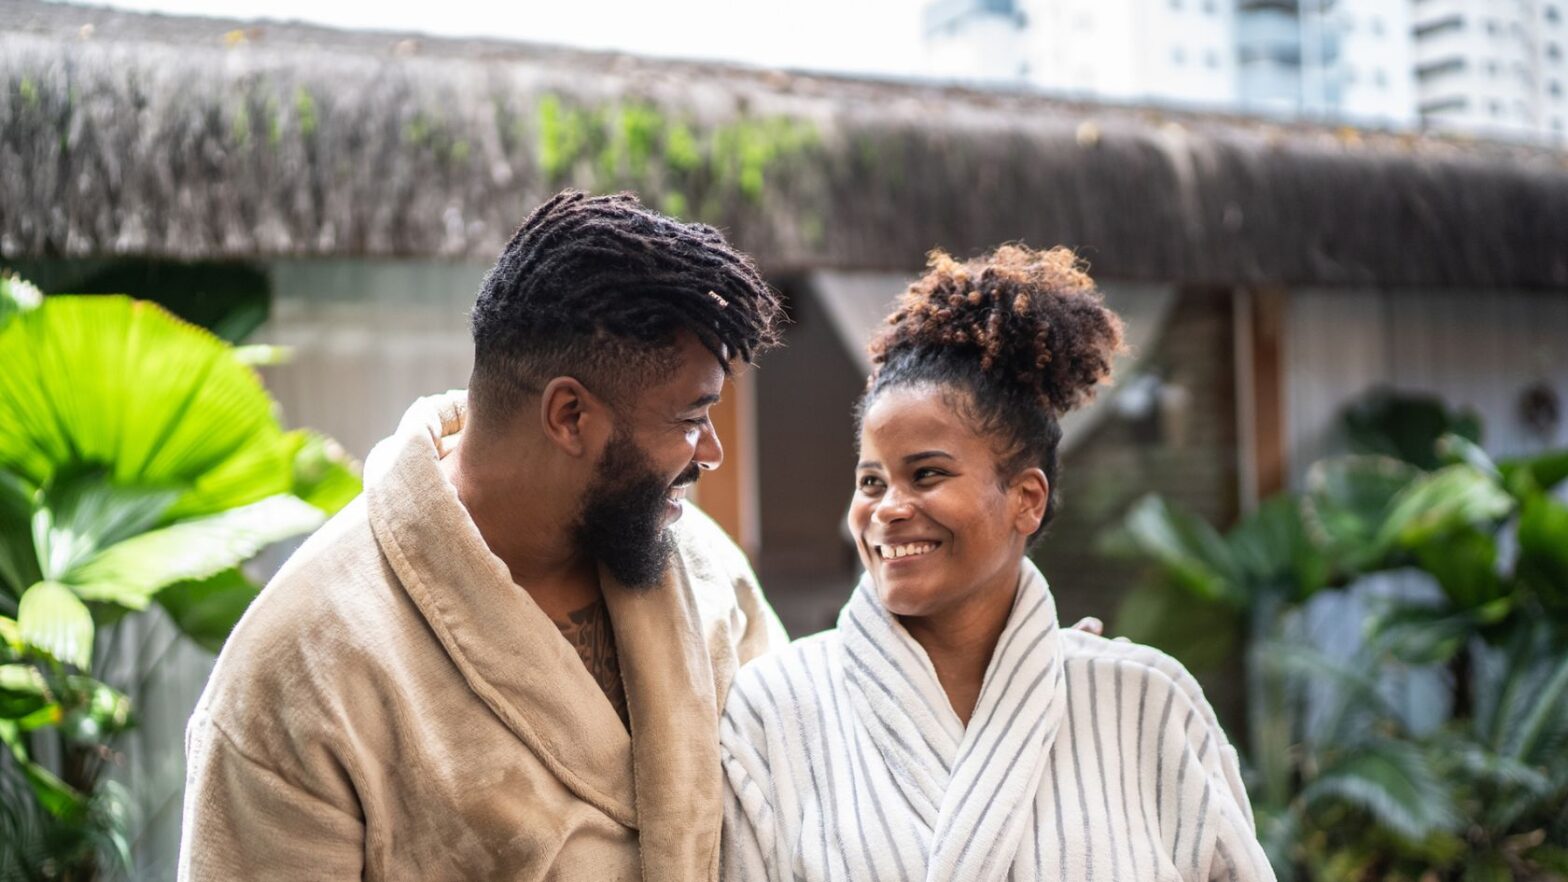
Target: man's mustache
[[688, 477]]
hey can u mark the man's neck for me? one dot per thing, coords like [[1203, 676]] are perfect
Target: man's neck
[[532, 537], [525, 522]]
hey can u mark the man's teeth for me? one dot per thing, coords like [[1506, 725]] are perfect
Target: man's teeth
[[892, 552]]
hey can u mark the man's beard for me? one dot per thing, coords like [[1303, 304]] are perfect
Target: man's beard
[[622, 522]]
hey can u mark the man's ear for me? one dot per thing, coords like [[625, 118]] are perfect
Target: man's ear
[[573, 418], [1031, 492]]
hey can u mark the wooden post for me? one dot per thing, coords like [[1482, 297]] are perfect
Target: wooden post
[[729, 493], [1260, 392]]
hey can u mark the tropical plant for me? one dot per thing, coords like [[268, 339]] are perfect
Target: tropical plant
[[1453, 577], [141, 463]]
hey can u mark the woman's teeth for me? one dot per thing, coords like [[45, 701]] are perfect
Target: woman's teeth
[[893, 552]]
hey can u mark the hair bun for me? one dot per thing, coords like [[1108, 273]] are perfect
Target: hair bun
[[1032, 318]]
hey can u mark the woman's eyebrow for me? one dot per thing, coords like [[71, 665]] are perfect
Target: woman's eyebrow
[[926, 454]]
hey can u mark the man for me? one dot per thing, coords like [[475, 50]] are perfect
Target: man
[[400, 703]]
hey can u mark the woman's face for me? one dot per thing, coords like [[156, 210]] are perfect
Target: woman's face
[[934, 524]]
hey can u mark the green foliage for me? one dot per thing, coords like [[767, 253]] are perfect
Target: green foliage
[[141, 461], [16, 297], [52, 619], [1347, 785], [634, 145], [1405, 427]]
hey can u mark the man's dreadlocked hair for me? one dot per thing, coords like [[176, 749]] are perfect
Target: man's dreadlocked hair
[[596, 287]]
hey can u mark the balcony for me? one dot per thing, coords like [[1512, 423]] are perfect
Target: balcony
[[943, 14]]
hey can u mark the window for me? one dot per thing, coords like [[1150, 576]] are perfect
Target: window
[[1555, 89], [1211, 58], [1553, 51], [1492, 27], [1456, 104], [1178, 57], [1435, 69], [1446, 25], [1494, 107], [1176, 5], [1208, 7], [1551, 14], [1380, 77], [1377, 27], [1491, 68]]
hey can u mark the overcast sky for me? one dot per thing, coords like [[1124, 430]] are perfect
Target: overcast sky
[[849, 36]]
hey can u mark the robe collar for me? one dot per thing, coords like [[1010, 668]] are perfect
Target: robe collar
[[972, 788], [663, 778]]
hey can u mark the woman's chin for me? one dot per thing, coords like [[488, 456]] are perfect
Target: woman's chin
[[907, 598]]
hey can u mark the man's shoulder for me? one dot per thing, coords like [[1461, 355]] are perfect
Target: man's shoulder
[[323, 611], [323, 581], [710, 555]]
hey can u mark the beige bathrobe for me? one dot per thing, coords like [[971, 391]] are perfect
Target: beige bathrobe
[[393, 707]]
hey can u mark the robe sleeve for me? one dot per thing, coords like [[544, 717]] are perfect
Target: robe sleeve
[[1237, 856], [747, 851], [247, 821], [746, 847], [764, 633]]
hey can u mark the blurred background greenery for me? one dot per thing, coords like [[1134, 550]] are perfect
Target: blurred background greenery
[[1404, 624], [142, 465]]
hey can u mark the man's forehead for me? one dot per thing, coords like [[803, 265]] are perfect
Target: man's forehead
[[695, 379]]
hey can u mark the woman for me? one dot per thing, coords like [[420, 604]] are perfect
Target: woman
[[948, 729]]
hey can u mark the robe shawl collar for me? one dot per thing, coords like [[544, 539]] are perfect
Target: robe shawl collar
[[664, 782], [973, 789]]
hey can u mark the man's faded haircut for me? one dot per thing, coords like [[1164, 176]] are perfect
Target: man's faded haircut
[[597, 287]]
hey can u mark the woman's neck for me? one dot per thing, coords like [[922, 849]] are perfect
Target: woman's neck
[[961, 640]]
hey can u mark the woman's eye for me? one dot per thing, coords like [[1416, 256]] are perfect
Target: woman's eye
[[868, 483], [922, 474]]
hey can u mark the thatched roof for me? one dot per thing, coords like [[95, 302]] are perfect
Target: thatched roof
[[124, 133]]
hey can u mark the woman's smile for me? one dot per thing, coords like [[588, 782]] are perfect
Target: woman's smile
[[905, 552]]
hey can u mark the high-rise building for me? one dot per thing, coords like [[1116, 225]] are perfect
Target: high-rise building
[[1495, 67], [1130, 50], [1492, 66], [1327, 59]]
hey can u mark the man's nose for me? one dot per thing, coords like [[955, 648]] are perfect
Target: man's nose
[[710, 452]]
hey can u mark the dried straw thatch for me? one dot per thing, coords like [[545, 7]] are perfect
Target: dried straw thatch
[[124, 133]]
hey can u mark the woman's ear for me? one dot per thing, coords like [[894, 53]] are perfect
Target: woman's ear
[[573, 418], [1031, 492]]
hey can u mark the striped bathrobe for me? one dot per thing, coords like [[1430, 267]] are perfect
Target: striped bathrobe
[[1085, 759]]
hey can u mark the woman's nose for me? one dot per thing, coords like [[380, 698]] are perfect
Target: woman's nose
[[893, 506]]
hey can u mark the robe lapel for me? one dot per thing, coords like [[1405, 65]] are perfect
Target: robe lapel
[[972, 788], [900, 703], [674, 718], [509, 652], [997, 775]]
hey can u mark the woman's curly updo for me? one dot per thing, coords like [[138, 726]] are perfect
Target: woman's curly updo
[[1022, 335]]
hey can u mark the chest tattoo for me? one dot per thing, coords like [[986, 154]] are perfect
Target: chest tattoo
[[588, 630]]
